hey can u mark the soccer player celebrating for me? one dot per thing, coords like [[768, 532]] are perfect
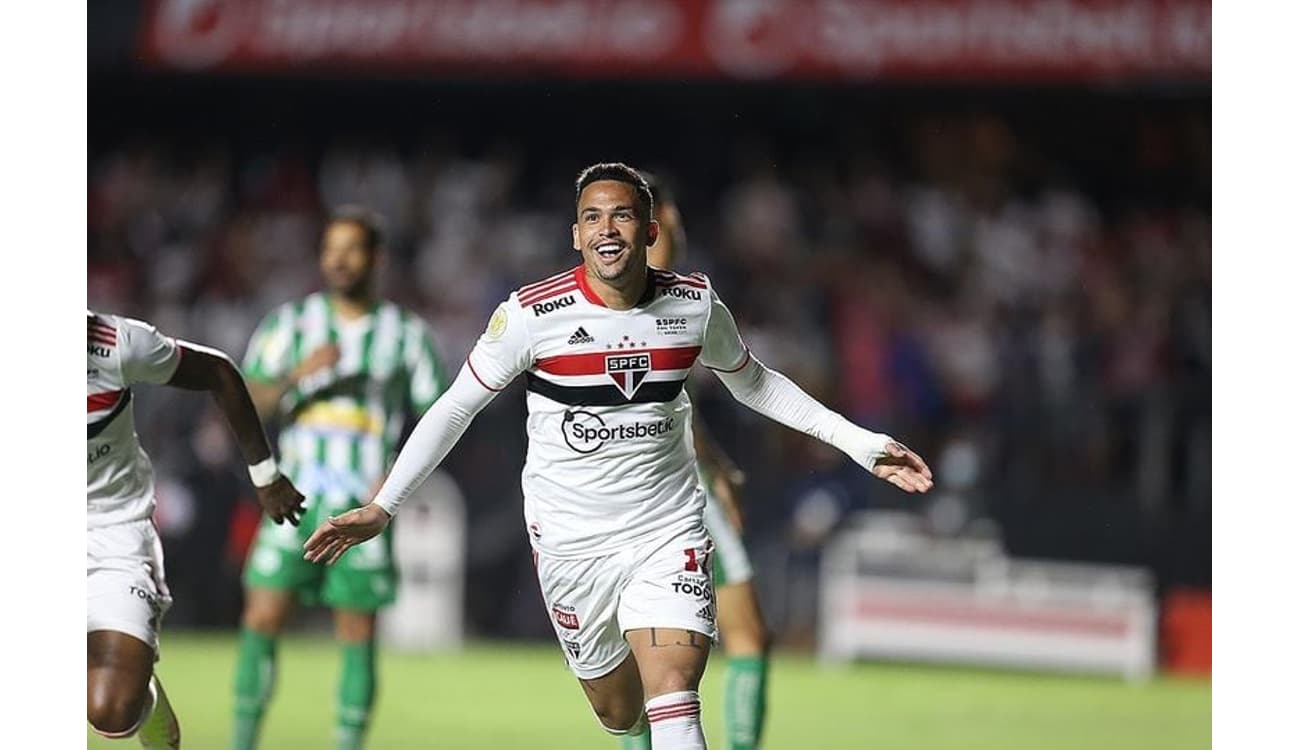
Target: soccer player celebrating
[[341, 370], [744, 634], [612, 499], [126, 593]]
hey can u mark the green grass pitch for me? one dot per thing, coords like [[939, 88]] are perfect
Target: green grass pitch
[[521, 696]]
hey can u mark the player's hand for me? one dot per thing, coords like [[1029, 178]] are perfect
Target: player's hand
[[282, 501], [726, 486], [903, 468], [340, 533], [320, 358]]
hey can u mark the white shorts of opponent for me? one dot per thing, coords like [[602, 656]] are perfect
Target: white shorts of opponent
[[661, 583], [125, 589]]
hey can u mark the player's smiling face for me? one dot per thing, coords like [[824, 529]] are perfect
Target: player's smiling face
[[610, 232]]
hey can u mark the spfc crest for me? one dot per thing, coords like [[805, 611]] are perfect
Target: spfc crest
[[627, 371]]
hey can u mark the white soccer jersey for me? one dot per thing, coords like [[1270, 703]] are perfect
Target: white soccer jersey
[[610, 459], [119, 353]]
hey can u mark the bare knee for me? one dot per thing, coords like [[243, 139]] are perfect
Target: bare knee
[[114, 711], [118, 668], [616, 698], [617, 716]]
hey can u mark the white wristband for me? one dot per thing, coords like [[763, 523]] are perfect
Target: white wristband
[[264, 472]]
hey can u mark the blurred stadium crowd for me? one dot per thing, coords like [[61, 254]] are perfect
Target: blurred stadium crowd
[[1024, 297]]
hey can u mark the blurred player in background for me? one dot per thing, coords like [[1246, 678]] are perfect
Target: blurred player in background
[[341, 370], [126, 592], [740, 622], [612, 498]]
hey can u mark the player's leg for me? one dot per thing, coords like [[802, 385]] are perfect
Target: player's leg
[[266, 611], [581, 597], [118, 670], [618, 701], [745, 640], [744, 633], [671, 662], [355, 631], [273, 576], [640, 738], [126, 599], [667, 612], [362, 582], [123, 696]]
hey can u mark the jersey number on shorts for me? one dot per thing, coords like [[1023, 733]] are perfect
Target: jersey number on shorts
[[694, 563]]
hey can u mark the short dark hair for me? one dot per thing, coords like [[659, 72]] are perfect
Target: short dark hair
[[619, 172], [371, 223]]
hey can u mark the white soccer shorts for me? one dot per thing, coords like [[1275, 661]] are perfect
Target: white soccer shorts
[[661, 583], [125, 588]]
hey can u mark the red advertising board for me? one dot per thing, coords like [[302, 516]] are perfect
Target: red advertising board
[[849, 40]]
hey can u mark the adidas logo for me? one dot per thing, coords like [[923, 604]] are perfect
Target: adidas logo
[[581, 336]]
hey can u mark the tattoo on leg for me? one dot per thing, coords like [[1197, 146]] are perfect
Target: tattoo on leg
[[693, 640]]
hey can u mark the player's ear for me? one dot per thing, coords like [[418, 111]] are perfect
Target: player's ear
[[576, 245], [652, 233]]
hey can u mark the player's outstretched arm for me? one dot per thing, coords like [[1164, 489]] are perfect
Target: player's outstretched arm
[[774, 396], [341, 533], [204, 369], [432, 439]]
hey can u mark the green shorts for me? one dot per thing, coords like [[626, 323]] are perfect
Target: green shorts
[[364, 579]]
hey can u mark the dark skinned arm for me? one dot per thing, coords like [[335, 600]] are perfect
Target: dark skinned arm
[[204, 369]]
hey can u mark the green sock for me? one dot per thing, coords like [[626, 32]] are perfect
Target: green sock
[[639, 742], [254, 682], [746, 699], [356, 694]]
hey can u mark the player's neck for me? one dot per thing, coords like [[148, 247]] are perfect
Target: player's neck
[[350, 308], [619, 298]]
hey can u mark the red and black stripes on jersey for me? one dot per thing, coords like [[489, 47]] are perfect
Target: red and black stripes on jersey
[[613, 378], [99, 332], [604, 395], [664, 278], [542, 296], [118, 399], [548, 288]]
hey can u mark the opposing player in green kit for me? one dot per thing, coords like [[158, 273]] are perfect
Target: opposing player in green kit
[[341, 370]]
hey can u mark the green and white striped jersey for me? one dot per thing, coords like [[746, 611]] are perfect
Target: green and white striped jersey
[[339, 435]]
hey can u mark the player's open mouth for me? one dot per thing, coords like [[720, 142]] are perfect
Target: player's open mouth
[[609, 251]]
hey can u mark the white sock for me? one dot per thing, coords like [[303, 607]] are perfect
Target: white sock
[[675, 721]]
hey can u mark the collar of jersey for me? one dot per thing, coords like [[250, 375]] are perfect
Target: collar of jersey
[[580, 275]]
